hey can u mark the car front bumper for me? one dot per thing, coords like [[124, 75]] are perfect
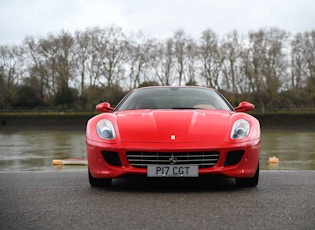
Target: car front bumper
[[118, 165]]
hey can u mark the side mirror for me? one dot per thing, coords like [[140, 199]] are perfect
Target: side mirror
[[104, 107], [244, 107]]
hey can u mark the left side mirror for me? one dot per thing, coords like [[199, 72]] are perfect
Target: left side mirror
[[104, 107], [244, 107]]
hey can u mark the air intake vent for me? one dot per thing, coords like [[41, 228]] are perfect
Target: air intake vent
[[111, 158], [233, 157]]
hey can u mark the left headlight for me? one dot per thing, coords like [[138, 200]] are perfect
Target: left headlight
[[240, 129], [105, 129]]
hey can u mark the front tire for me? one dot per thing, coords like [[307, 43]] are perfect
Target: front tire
[[248, 182], [99, 182]]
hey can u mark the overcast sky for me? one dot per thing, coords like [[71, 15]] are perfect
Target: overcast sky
[[156, 18]]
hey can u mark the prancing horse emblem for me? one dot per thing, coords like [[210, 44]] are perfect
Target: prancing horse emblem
[[173, 159]]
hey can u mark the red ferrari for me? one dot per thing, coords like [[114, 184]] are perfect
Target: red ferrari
[[166, 131]]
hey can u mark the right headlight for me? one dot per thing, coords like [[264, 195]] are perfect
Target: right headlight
[[105, 129], [240, 129]]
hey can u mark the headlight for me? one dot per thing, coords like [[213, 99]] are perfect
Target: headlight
[[240, 129], [105, 129]]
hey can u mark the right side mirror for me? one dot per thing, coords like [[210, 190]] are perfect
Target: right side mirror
[[104, 107]]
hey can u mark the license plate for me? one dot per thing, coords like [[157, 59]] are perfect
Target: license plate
[[172, 171]]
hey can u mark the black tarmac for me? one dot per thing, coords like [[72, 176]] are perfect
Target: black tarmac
[[65, 200]]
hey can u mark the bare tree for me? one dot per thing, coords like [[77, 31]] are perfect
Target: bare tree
[[102, 62], [12, 68], [40, 57], [310, 53], [275, 63], [210, 59], [94, 64], [110, 46], [309, 70], [180, 53], [66, 59], [298, 62], [54, 60], [83, 54], [267, 64], [193, 63], [231, 50], [139, 53], [35, 62], [162, 63]]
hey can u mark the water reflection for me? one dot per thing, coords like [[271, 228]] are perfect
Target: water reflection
[[295, 150], [35, 150]]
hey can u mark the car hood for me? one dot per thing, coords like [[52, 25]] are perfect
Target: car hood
[[173, 126]]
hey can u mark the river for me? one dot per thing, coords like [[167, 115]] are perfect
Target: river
[[34, 150]]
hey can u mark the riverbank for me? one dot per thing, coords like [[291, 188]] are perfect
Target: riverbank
[[295, 122], [48, 122], [60, 121]]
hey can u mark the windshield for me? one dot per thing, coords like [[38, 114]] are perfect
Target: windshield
[[174, 98]]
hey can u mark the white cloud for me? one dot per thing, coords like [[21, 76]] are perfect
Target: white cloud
[[159, 18]]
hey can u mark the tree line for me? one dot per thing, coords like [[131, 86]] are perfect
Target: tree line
[[269, 67]]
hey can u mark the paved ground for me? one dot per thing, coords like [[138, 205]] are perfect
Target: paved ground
[[64, 200]]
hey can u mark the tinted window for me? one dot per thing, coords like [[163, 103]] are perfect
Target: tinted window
[[174, 98]]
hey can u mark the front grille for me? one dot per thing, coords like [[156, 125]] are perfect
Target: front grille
[[205, 159]]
